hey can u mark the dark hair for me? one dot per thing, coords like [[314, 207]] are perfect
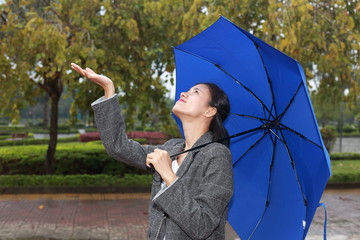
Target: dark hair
[[220, 101]]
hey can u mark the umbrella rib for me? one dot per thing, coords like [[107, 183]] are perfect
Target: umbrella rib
[[271, 169], [231, 76], [246, 88], [267, 75], [251, 147], [248, 116], [290, 102], [300, 135], [293, 167]]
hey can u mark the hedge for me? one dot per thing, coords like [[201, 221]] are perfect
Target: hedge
[[74, 180], [345, 171], [71, 158], [345, 156], [127, 180], [33, 141], [21, 129]]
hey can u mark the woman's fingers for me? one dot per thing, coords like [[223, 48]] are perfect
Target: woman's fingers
[[151, 158], [158, 157], [161, 152], [83, 72], [77, 68], [90, 70], [161, 161], [101, 80], [88, 73]]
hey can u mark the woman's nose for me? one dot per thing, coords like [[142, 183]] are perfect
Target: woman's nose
[[183, 94]]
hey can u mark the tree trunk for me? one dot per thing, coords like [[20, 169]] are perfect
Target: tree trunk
[[46, 112], [50, 155]]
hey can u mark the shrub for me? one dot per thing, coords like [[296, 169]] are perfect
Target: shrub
[[345, 156], [33, 141], [328, 134], [345, 178], [71, 158], [89, 136], [349, 128], [345, 171], [74, 180]]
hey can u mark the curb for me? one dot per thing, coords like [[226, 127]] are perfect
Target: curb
[[121, 189]]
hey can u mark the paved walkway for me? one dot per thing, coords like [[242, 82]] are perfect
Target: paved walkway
[[124, 216], [349, 144]]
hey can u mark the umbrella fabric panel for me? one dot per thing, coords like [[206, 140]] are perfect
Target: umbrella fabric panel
[[256, 184], [239, 147], [251, 178], [286, 74], [286, 210], [286, 71], [300, 118], [312, 169]]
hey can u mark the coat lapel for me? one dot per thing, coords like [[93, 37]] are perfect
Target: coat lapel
[[207, 137]]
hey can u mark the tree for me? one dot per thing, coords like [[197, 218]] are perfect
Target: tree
[[38, 41], [126, 40]]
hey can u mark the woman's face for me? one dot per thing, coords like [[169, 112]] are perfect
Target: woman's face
[[194, 103]]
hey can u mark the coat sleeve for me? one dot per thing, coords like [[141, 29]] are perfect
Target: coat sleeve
[[111, 125], [198, 213]]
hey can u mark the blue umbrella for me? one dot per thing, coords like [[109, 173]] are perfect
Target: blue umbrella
[[281, 165]]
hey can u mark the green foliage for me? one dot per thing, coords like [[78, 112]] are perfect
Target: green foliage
[[74, 180], [345, 156], [328, 134], [71, 158], [349, 128], [130, 42], [6, 130], [345, 171], [352, 134], [32, 141]]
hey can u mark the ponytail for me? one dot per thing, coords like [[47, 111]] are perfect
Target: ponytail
[[220, 101], [219, 131]]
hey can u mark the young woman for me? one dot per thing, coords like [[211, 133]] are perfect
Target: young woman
[[190, 193]]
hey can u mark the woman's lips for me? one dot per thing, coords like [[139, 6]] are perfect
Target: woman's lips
[[181, 100]]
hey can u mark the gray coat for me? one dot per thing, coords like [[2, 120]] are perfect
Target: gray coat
[[195, 206]]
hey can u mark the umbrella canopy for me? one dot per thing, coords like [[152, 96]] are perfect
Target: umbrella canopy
[[281, 165]]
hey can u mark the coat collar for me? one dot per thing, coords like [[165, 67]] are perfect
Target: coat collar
[[205, 138]]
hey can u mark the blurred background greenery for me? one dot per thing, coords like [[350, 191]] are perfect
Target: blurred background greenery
[[130, 42]]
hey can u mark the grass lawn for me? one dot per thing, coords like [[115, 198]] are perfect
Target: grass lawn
[[345, 171]]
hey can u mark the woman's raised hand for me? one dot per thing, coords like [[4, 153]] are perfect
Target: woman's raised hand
[[101, 80]]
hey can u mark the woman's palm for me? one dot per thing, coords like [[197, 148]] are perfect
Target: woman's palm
[[90, 74]]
